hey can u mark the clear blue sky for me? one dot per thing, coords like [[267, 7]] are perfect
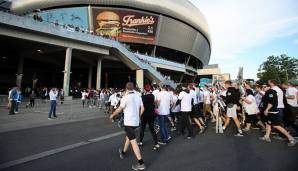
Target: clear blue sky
[[245, 32]]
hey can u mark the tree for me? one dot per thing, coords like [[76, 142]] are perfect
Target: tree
[[282, 68]]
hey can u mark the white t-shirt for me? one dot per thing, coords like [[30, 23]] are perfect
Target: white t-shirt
[[84, 95], [155, 92], [101, 96], [194, 96], [252, 108], [292, 91], [186, 99], [131, 104], [207, 97], [53, 96], [259, 97], [165, 99], [280, 97], [200, 96], [175, 108], [113, 99]]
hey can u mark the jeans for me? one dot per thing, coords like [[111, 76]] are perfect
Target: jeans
[[53, 109], [12, 107], [163, 127], [16, 109]]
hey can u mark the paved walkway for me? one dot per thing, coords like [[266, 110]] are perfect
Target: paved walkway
[[72, 111]]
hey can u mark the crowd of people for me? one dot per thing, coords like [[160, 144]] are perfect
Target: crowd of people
[[264, 106], [270, 107], [16, 96]]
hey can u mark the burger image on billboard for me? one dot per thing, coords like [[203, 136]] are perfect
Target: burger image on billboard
[[108, 23]]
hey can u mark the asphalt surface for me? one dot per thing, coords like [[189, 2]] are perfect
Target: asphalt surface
[[204, 152]]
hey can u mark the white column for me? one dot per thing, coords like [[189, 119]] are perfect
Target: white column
[[140, 79], [98, 74], [67, 68], [90, 76], [20, 72]]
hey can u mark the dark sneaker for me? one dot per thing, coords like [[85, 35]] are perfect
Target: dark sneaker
[[239, 134], [292, 143], [138, 166], [121, 154]]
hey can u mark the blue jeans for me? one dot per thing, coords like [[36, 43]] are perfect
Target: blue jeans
[[53, 109], [163, 127]]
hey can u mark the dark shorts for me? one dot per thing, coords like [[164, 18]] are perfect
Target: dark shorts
[[273, 119], [196, 112], [251, 118], [130, 132], [173, 115]]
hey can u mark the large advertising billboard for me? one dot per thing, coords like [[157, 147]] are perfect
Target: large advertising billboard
[[125, 25]]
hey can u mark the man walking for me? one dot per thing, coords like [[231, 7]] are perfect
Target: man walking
[[132, 106], [13, 97], [53, 98], [232, 99], [270, 110], [164, 102]]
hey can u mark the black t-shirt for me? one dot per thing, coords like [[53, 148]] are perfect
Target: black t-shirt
[[232, 96], [148, 101], [270, 97]]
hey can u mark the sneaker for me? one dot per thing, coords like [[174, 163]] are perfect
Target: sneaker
[[156, 147], [246, 129], [162, 143], [138, 166], [239, 134], [265, 139], [140, 143], [121, 155], [169, 138], [188, 137], [173, 129], [202, 131], [292, 143], [50, 119]]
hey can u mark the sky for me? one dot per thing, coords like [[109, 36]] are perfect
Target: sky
[[245, 32]]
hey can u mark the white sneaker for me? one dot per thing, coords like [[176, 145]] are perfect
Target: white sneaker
[[292, 143], [265, 139]]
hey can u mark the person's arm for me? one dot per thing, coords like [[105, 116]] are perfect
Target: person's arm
[[246, 100], [116, 112], [269, 106], [142, 109]]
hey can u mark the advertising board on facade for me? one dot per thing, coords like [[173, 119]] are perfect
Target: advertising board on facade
[[125, 25]]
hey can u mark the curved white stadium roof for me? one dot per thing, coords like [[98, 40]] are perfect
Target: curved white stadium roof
[[179, 9]]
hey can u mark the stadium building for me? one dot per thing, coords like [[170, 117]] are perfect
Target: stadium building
[[101, 43]]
